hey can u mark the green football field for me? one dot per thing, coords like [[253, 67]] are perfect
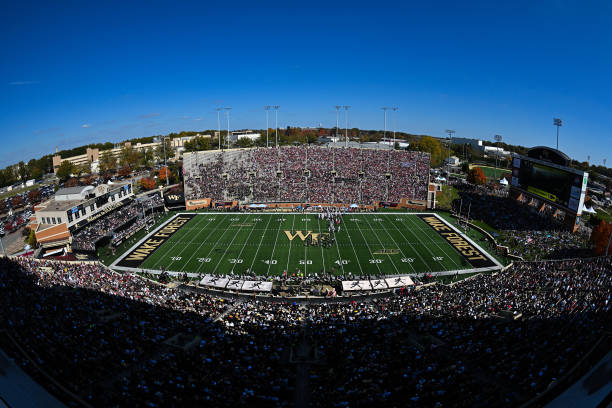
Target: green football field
[[268, 244]]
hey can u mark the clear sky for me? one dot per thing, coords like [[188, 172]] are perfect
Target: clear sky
[[74, 73]]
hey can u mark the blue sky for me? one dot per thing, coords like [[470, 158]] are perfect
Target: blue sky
[[74, 73]]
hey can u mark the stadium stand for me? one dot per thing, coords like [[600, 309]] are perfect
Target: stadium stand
[[307, 174], [117, 339]]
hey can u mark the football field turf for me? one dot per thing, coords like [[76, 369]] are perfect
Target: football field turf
[[270, 243]]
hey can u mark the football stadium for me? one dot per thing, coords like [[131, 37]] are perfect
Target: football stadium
[[170, 240]]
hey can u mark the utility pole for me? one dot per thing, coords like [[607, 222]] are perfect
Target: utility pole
[[384, 108], [165, 164], [346, 108], [267, 108], [276, 122], [219, 125], [394, 109], [558, 123], [337, 113], [450, 133], [228, 127]]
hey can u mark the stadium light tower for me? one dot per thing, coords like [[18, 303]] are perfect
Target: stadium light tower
[[498, 139], [267, 108], [219, 125], [394, 109], [346, 108], [558, 123], [384, 108], [337, 113], [276, 122], [450, 133], [227, 110]]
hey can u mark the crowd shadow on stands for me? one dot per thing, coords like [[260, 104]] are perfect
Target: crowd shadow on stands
[[110, 351]]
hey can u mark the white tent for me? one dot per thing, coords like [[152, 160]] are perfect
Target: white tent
[[354, 206], [589, 210], [503, 182]]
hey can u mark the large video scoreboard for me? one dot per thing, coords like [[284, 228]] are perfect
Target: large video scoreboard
[[562, 186]]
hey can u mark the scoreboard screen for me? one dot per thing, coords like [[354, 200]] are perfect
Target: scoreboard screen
[[563, 186]]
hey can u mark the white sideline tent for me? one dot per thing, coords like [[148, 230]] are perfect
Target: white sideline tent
[[589, 210], [503, 182]]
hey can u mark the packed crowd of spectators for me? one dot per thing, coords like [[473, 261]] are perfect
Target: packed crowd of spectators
[[307, 174], [492, 340], [524, 229], [86, 238]]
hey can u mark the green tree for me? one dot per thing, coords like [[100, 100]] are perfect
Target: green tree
[[159, 150], [147, 157], [32, 239], [128, 156], [107, 161], [22, 171], [430, 145], [244, 142], [64, 170], [446, 197]]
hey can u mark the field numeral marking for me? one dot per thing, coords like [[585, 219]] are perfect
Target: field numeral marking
[[204, 260], [399, 219], [235, 261], [438, 258], [257, 219], [211, 219], [270, 261], [407, 260], [355, 219], [280, 219], [176, 258], [342, 262], [376, 261], [305, 219], [234, 219], [377, 219], [305, 262]]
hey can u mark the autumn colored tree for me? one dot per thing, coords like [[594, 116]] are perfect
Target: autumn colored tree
[[87, 181], [16, 201], [476, 176], [601, 236], [72, 182], [147, 183], [34, 196], [430, 145], [161, 175], [124, 171]]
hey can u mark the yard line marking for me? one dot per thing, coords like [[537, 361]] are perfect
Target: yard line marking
[[290, 242], [171, 248], [228, 247], [398, 247], [439, 247], [280, 224], [201, 244], [260, 241], [368, 245], [321, 246], [214, 246], [383, 247], [415, 250]]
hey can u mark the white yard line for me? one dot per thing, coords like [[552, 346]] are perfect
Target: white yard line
[[354, 250], [399, 248], [228, 247], [260, 241], [368, 245], [383, 247], [202, 243], [413, 248], [290, 242], [280, 224], [243, 246], [169, 251], [321, 246], [214, 246]]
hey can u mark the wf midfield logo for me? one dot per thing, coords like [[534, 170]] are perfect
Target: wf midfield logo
[[315, 236]]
